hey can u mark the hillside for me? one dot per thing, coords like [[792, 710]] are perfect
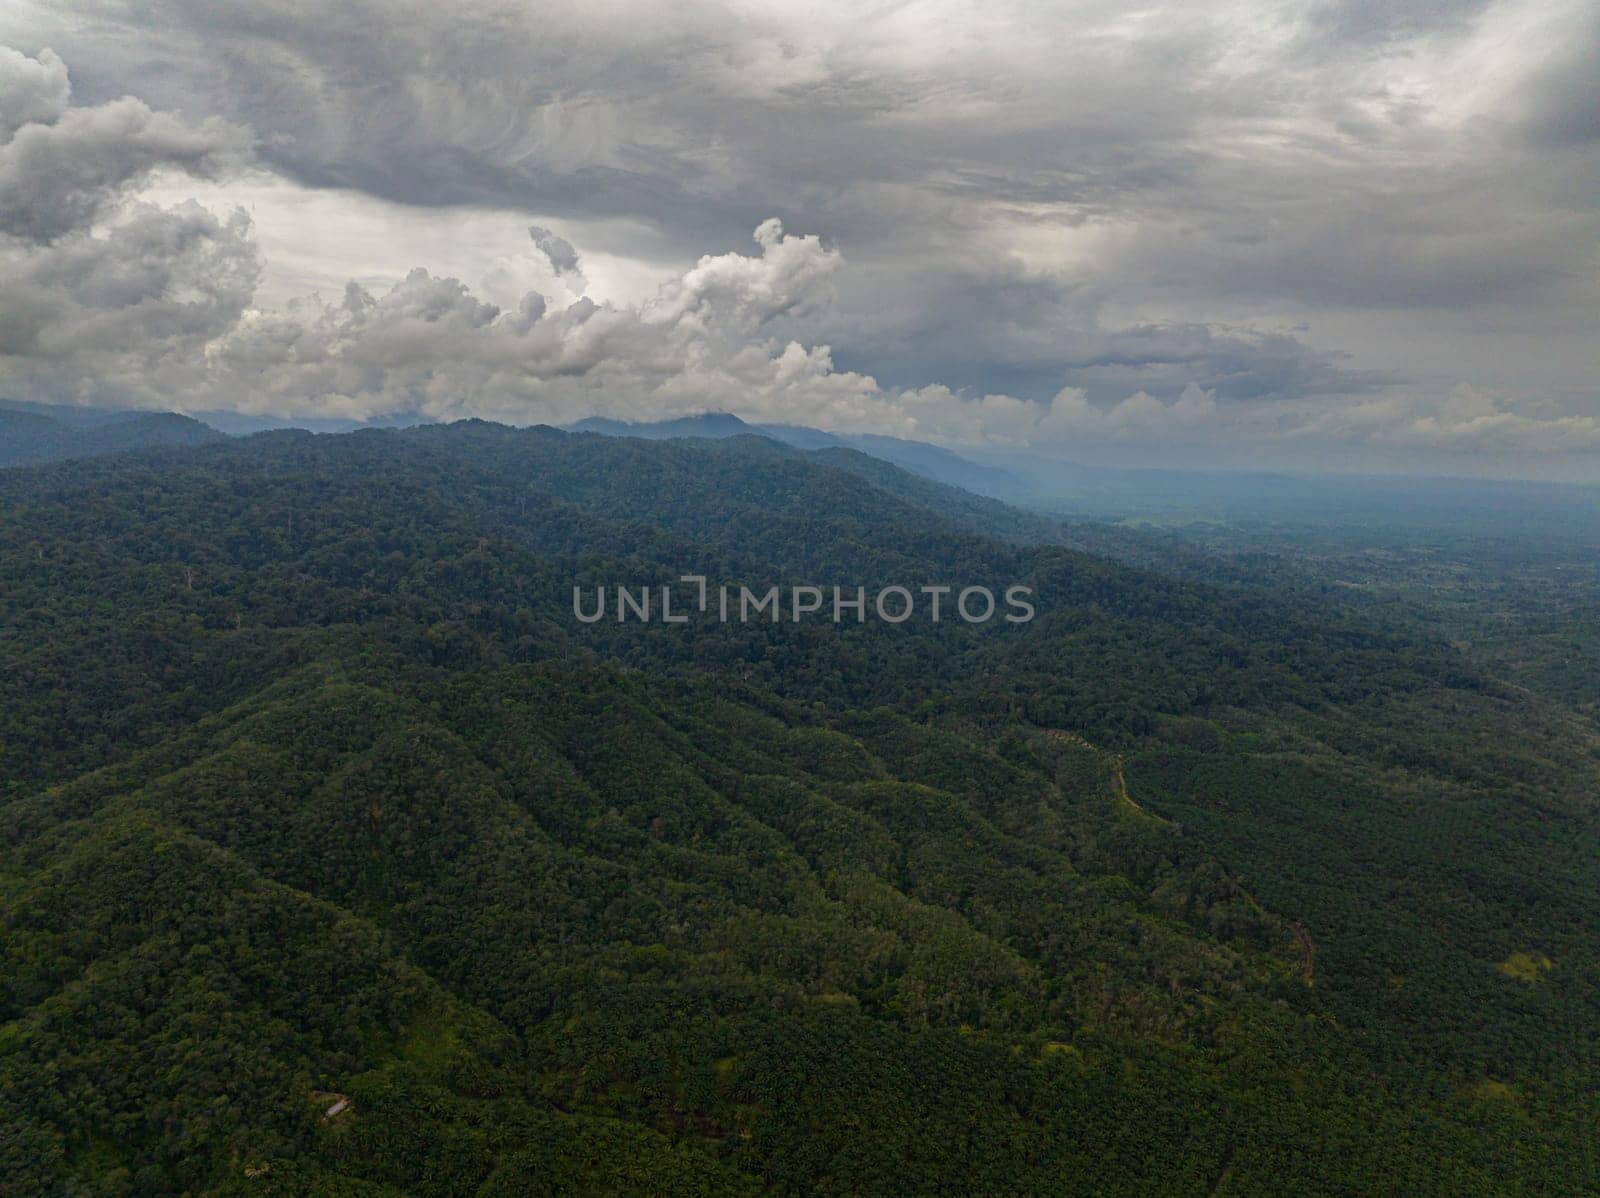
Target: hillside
[[930, 461], [31, 433], [311, 786]]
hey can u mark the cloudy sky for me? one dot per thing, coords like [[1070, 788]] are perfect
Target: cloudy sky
[[1345, 234]]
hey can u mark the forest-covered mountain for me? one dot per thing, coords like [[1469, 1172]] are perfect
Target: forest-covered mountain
[[931, 461], [31, 432], [337, 856]]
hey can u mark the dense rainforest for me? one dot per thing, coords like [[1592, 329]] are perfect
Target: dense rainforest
[[337, 857]]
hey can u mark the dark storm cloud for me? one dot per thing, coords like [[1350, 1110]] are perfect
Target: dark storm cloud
[[35, 90], [558, 249], [1375, 21], [1241, 364], [704, 120]]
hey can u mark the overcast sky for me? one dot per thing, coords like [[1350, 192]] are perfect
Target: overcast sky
[[1347, 234]]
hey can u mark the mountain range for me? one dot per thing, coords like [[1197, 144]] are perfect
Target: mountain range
[[338, 857], [31, 432]]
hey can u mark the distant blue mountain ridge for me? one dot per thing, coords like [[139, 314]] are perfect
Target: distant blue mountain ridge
[[33, 433]]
